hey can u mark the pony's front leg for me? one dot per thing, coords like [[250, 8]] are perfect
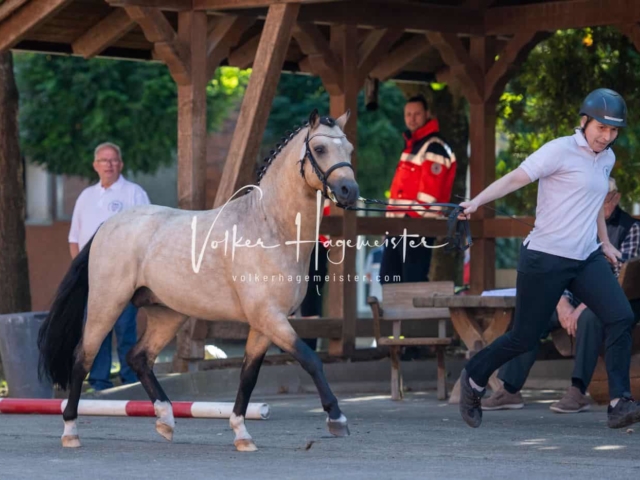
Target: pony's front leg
[[255, 350], [282, 334]]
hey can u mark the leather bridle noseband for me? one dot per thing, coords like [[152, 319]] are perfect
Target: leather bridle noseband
[[322, 175]]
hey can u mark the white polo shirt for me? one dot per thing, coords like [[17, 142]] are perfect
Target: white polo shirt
[[96, 204], [573, 183]]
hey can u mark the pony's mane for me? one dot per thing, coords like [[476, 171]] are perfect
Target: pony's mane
[[289, 135]]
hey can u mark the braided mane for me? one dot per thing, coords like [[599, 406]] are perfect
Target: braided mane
[[289, 135]]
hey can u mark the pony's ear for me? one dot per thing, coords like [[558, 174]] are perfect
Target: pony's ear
[[342, 121], [314, 119]]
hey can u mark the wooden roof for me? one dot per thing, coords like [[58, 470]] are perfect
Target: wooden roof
[[103, 28]]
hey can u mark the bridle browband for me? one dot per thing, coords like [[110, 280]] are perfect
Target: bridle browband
[[458, 231]]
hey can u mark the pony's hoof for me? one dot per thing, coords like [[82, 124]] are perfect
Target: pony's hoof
[[71, 441], [245, 445], [339, 427], [165, 430]]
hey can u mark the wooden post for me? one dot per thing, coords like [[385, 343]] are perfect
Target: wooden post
[[482, 133], [192, 160], [192, 114], [256, 105], [343, 294]]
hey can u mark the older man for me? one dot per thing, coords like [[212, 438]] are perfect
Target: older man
[[578, 321], [111, 195]]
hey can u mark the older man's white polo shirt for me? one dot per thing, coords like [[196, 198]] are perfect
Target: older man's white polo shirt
[[573, 183], [96, 204]]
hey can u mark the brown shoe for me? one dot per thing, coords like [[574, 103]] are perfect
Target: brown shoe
[[503, 400], [572, 402]]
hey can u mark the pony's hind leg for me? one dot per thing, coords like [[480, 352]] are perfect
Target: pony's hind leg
[[255, 350], [162, 326], [70, 438], [95, 331], [284, 336]]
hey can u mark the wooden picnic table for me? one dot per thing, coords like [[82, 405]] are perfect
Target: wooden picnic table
[[478, 321]]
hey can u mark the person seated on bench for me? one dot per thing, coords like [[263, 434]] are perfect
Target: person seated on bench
[[578, 321]]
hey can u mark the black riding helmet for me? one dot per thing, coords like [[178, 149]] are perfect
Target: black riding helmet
[[606, 106]]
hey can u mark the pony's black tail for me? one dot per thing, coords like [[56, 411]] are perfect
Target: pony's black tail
[[61, 331]]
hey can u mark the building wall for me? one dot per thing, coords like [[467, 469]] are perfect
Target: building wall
[[49, 259]]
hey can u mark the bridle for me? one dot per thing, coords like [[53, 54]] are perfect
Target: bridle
[[322, 175], [458, 231]]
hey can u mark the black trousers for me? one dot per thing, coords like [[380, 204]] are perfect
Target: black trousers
[[589, 344], [312, 304], [542, 278], [414, 267]]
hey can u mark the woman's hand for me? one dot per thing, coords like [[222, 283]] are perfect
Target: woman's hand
[[611, 253], [469, 208]]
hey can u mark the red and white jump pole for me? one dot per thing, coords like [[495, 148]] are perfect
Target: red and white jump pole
[[130, 408]]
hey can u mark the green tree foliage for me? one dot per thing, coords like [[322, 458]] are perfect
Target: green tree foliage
[[69, 105], [542, 102], [379, 132]]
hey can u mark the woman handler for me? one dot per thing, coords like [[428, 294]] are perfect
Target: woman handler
[[562, 252]]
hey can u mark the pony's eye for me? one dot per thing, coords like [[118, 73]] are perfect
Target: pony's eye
[[319, 150]]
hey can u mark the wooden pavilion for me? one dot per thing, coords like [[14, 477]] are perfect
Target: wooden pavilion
[[476, 43]]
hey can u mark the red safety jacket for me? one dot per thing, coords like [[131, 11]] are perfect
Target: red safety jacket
[[425, 172]]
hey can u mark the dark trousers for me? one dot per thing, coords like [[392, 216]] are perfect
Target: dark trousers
[[542, 278], [312, 304], [413, 268], [589, 343]]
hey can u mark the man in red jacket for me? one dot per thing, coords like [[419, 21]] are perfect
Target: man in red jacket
[[424, 175]]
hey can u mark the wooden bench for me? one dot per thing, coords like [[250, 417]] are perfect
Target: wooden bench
[[397, 306], [629, 280]]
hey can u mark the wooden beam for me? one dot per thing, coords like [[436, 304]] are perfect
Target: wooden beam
[[192, 156], [233, 4], [462, 66], [10, 6], [511, 57], [506, 227], [375, 46], [106, 32], [225, 35], [192, 113], [167, 45], [256, 105], [394, 62], [479, 4], [321, 59], [343, 295], [243, 56], [27, 18], [551, 16], [632, 32], [167, 5], [482, 132], [324, 327], [408, 15]]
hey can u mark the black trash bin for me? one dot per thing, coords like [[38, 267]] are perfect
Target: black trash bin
[[19, 352]]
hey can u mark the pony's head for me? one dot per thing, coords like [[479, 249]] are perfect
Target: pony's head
[[325, 160]]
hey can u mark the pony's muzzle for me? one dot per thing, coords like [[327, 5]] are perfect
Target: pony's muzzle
[[346, 191]]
